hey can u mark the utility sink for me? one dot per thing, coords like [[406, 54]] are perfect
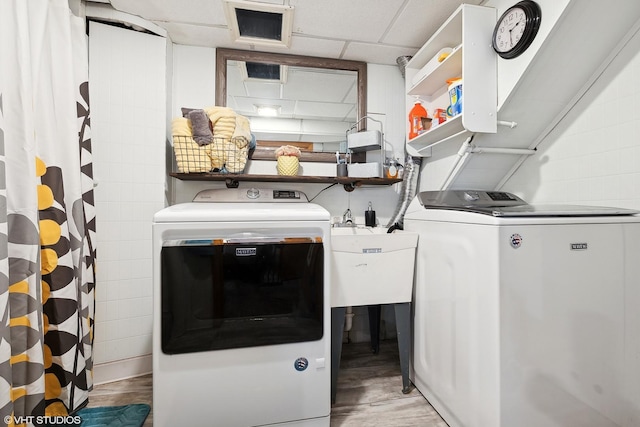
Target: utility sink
[[371, 266]]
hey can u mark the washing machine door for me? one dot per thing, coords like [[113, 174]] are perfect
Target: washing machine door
[[225, 294]]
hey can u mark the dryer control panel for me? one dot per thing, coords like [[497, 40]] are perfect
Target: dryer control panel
[[254, 195]]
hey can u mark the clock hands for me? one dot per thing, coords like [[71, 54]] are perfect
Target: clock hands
[[511, 32]]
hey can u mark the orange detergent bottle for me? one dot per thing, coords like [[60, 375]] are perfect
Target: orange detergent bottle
[[416, 126]]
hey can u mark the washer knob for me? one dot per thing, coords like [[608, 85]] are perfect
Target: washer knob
[[253, 193]]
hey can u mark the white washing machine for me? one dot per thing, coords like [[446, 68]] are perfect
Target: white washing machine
[[241, 332], [526, 316]]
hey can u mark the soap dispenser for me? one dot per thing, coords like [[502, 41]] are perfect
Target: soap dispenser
[[370, 217]]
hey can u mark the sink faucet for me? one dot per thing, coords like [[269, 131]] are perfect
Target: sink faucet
[[347, 218]]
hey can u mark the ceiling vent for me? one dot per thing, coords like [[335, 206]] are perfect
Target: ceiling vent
[[259, 24], [262, 71]]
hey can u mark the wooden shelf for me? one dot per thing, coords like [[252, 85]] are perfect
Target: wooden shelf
[[232, 180]]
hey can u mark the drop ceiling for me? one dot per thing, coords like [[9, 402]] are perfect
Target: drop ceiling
[[373, 31]]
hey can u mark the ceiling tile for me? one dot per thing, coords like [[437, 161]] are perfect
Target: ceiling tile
[[197, 35], [235, 85], [311, 46], [184, 11], [419, 20], [376, 53], [263, 89], [303, 85], [323, 110], [362, 20]]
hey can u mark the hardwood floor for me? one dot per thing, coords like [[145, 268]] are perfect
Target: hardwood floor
[[125, 392], [369, 392]]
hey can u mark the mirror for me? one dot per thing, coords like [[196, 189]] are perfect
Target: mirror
[[313, 101]]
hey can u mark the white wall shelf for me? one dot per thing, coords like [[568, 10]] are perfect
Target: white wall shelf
[[430, 84], [450, 131], [468, 32]]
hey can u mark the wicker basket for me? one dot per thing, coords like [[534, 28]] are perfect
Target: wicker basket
[[223, 155]]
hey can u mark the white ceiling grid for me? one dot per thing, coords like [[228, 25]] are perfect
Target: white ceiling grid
[[374, 31]]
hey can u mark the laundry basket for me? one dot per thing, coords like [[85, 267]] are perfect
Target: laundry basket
[[222, 155]]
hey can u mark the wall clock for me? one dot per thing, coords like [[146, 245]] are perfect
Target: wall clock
[[516, 29]]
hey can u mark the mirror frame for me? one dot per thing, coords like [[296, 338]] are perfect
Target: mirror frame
[[223, 55]]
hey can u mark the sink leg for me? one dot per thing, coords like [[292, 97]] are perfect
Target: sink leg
[[337, 326], [374, 327], [403, 329]]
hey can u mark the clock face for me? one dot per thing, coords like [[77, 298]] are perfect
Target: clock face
[[516, 29], [510, 30]]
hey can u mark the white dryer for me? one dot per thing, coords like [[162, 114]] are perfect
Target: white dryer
[[241, 333], [526, 316]]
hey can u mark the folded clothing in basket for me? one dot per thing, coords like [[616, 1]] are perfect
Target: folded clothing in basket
[[200, 122], [228, 150]]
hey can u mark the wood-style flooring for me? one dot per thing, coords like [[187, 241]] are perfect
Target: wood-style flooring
[[369, 392]]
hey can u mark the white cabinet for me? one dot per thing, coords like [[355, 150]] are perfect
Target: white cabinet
[[468, 32]]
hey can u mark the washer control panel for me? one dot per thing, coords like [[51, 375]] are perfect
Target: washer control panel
[[468, 198]]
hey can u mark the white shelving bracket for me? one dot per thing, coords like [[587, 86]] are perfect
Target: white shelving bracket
[[493, 150]]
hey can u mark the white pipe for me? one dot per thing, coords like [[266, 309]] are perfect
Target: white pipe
[[490, 150], [507, 124], [463, 154], [464, 148], [348, 319]]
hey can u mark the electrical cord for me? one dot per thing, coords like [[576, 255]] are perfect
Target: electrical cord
[[320, 192]]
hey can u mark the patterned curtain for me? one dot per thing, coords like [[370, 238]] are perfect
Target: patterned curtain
[[46, 212]]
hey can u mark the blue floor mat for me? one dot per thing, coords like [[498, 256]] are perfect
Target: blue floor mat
[[115, 416]]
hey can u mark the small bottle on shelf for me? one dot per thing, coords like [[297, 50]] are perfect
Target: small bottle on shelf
[[400, 167], [439, 116], [391, 169], [416, 119]]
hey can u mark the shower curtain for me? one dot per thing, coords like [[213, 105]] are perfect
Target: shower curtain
[[46, 212]]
